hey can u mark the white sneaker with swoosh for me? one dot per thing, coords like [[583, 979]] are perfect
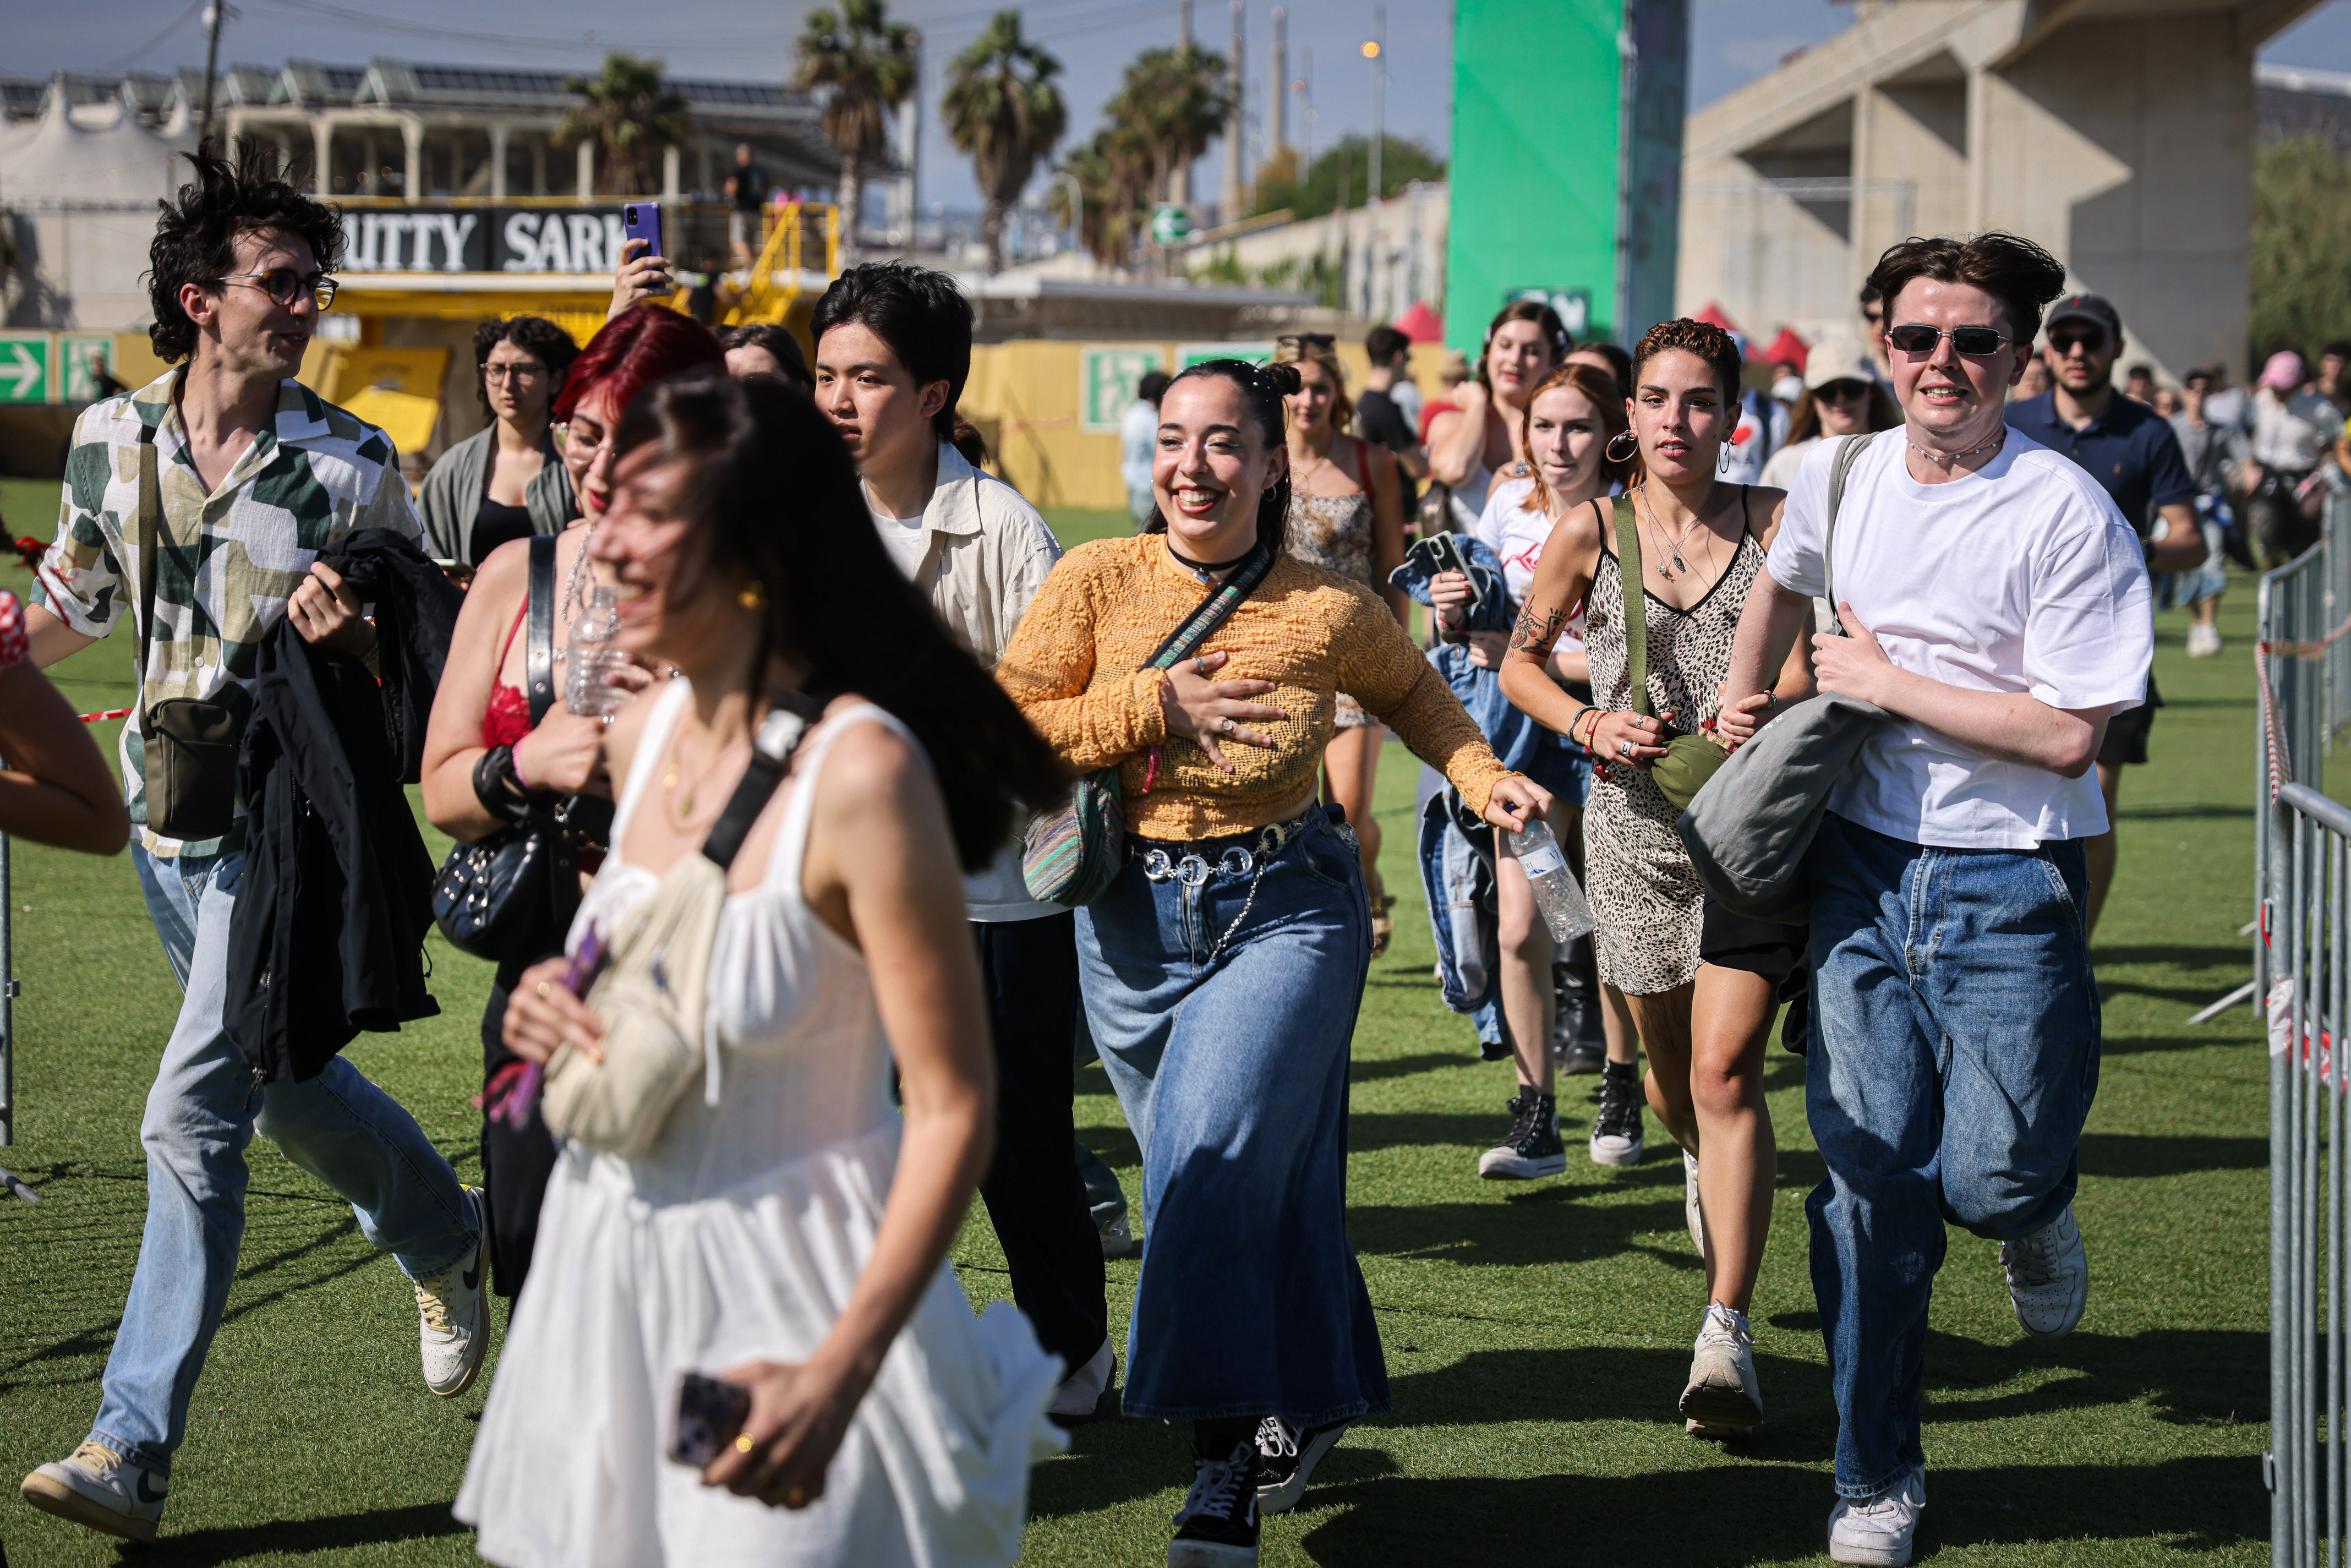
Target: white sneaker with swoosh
[[453, 1329], [101, 1489]]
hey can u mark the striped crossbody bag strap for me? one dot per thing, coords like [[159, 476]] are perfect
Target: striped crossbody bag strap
[[1213, 612]]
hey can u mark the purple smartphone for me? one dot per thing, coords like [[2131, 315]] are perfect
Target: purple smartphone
[[641, 219], [705, 1417]]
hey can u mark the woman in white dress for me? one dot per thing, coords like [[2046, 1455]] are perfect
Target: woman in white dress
[[788, 1229]]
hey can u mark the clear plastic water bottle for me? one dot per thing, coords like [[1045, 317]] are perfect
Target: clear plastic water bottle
[[1557, 894], [591, 656]]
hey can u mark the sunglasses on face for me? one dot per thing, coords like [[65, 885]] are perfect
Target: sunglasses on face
[[1975, 343], [1842, 392], [285, 285], [1305, 340], [2062, 343]]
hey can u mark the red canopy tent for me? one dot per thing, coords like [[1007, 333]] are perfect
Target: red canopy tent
[[1713, 316], [1420, 324], [1786, 349]]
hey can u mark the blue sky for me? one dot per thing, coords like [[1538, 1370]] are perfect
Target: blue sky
[[1734, 41]]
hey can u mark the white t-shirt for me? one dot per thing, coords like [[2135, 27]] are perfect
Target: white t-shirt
[[906, 539], [1517, 533], [2022, 577]]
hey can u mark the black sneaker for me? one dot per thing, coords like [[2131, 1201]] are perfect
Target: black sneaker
[[1286, 1461], [1532, 1148], [1616, 1131], [1217, 1525]]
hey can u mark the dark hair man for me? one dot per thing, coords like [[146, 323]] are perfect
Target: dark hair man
[[2130, 450], [1995, 605], [746, 189], [1389, 411], [257, 477], [1873, 331], [892, 348]]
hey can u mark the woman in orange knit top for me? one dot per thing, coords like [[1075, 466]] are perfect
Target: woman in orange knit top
[[1223, 968]]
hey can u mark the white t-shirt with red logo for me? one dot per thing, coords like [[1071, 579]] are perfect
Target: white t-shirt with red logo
[[1517, 532]]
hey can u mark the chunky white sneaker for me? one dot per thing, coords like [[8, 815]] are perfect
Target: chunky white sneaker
[[1723, 1398], [2204, 640], [101, 1489], [1879, 1530], [1078, 1399], [1691, 1213], [452, 1328], [1117, 1236], [2048, 1276]]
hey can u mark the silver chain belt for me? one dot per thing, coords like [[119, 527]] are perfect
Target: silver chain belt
[[1192, 868]]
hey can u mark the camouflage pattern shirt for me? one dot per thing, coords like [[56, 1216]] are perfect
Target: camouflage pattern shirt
[[229, 558]]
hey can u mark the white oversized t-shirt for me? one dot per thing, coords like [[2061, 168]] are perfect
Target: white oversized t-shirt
[[908, 539], [2022, 577], [1517, 533]]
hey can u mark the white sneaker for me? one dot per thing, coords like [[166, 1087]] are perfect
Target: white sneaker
[[1690, 1210], [1616, 1131], [1723, 1399], [453, 1329], [2204, 640], [1879, 1530], [1080, 1397], [2048, 1276], [99, 1487], [1117, 1237]]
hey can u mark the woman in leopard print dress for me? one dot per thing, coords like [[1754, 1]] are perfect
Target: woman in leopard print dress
[[1702, 982]]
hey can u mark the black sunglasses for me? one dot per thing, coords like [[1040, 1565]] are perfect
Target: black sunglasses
[[2091, 340], [285, 285], [1839, 392], [1975, 343], [1305, 340]]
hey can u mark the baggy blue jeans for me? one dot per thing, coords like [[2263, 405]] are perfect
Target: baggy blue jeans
[[1222, 999], [1953, 1057], [202, 1111]]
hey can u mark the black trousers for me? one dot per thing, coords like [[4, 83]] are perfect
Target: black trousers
[[1033, 1191], [516, 1161]]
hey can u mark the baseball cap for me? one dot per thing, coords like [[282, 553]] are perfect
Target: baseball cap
[[2092, 308]]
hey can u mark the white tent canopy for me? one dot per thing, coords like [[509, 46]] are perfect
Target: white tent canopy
[[81, 183]]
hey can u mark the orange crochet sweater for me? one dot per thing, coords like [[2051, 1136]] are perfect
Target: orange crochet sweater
[[1074, 666]]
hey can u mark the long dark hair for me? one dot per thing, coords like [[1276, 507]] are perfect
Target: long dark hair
[[924, 316], [1262, 388], [1554, 333], [772, 484]]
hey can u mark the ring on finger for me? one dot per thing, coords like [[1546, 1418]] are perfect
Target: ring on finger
[[1227, 725], [1624, 747]]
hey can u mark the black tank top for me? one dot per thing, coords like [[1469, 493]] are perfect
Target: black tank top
[[495, 525]]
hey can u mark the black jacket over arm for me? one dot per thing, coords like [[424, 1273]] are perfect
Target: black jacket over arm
[[337, 895]]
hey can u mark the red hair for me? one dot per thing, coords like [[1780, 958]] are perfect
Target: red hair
[[643, 345]]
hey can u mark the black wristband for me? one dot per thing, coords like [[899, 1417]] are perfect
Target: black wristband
[[497, 788]]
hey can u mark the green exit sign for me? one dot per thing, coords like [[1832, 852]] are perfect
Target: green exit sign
[[24, 359]]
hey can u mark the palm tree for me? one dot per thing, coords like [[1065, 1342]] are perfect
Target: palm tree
[[867, 63], [1113, 174], [630, 115], [1003, 109], [1177, 101]]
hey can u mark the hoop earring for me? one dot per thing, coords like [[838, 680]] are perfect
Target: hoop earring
[[1627, 455]]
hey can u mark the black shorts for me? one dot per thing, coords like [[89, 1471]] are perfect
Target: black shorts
[[1765, 947], [2126, 742]]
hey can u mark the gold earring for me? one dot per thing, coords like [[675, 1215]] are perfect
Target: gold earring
[[752, 595]]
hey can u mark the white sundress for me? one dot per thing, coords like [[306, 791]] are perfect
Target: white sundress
[[741, 1237]]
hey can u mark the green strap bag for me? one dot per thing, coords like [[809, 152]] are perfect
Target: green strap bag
[[1690, 760]]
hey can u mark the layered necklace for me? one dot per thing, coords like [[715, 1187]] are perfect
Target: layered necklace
[[1672, 547], [1945, 459]]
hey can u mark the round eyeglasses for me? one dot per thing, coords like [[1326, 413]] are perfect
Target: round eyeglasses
[[285, 285]]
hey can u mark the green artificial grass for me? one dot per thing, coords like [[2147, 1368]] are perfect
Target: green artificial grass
[[1537, 1334]]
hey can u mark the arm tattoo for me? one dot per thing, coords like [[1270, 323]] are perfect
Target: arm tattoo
[[1536, 631]]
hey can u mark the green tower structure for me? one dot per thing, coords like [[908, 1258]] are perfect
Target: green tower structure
[[1566, 161]]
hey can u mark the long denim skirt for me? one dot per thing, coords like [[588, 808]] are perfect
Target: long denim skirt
[[1221, 983]]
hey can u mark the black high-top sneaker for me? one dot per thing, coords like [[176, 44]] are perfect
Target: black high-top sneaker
[[1532, 1148], [1286, 1459], [1217, 1525], [1616, 1131]]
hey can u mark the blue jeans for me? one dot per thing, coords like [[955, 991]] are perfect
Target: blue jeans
[[1222, 999], [1954, 1054], [201, 1113]]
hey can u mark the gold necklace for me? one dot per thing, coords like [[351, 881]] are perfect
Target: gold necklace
[[680, 814]]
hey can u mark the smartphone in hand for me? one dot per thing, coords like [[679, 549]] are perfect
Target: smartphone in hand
[[643, 220], [705, 1414]]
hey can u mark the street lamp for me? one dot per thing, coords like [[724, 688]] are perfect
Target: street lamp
[[1373, 47]]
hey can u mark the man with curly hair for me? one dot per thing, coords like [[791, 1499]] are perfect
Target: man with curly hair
[[204, 500], [1994, 603]]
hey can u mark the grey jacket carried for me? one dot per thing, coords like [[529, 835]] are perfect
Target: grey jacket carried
[[1748, 830], [451, 496]]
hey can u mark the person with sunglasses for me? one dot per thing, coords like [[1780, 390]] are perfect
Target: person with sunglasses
[[506, 481], [1994, 603], [255, 477], [1841, 396], [2130, 450]]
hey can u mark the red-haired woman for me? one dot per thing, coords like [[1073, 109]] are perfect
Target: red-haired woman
[[494, 743], [1702, 982]]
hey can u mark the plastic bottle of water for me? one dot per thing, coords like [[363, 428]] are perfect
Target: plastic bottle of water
[[1556, 893], [590, 656]]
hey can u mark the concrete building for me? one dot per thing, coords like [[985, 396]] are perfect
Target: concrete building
[[2119, 133]]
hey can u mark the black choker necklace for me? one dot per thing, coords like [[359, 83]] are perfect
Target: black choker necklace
[[1204, 567]]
